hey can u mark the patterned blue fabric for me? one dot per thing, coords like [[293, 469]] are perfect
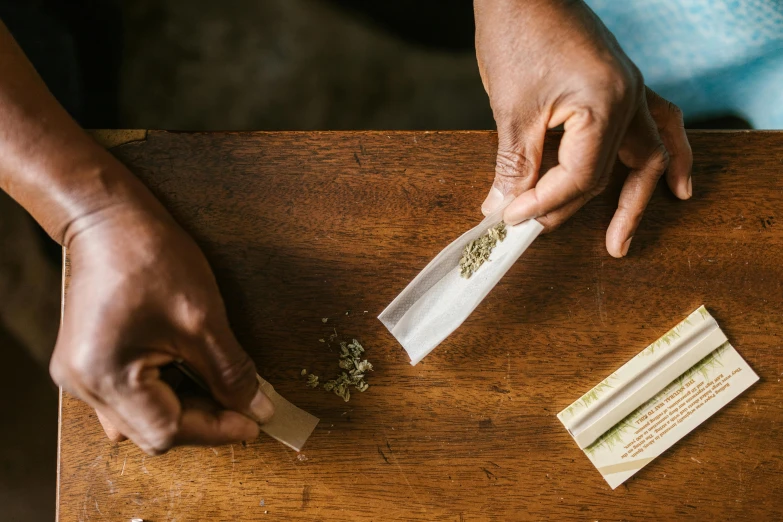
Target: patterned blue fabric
[[710, 57]]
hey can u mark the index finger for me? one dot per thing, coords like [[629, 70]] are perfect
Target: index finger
[[150, 414], [585, 156]]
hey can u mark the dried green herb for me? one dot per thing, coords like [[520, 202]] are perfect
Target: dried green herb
[[477, 251], [355, 369]]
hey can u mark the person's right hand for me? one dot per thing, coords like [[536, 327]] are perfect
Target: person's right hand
[[550, 62], [141, 296]]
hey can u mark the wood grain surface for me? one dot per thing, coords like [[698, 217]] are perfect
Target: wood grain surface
[[302, 226]]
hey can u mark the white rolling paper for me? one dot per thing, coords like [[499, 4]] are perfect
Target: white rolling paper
[[438, 300]]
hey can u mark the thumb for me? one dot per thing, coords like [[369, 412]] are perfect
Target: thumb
[[112, 432], [520, 147], [231, 376]]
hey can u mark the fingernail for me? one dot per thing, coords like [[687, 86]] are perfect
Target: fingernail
[[690, 186], [494, 199], [261, 407], [626, 246]]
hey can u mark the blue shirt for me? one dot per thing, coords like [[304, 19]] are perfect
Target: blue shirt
[[710, 57]]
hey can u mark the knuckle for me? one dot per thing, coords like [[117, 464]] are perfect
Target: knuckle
[[552, 221], [665, 113], [193, 315], [161, 440], [513, 164], [624, 85], [80, 367], [595, 120], [59, 372], [90, 371], [587, 186], [590, 117], [637, 78], [236, 375], [623, 208], [550, 224], [621, 82], [659, 159], [162, 445], [675, 113], [590, 185]]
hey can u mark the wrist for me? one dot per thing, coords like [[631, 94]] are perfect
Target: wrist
[[68, 195], [102, 194], [47, 163]]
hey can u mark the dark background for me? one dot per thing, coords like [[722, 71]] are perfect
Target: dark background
[[263, 65]]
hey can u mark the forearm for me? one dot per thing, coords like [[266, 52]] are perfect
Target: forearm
[[545, 20], [526, 31], [47, 163], [525, 8]]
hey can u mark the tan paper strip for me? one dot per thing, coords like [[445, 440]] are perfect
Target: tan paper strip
[[290, 425]]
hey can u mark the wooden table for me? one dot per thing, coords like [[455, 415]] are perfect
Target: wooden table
[[301, 226]]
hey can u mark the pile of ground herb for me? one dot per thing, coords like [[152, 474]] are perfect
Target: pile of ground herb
[[478, 250], [354, 375], [350, 360]]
